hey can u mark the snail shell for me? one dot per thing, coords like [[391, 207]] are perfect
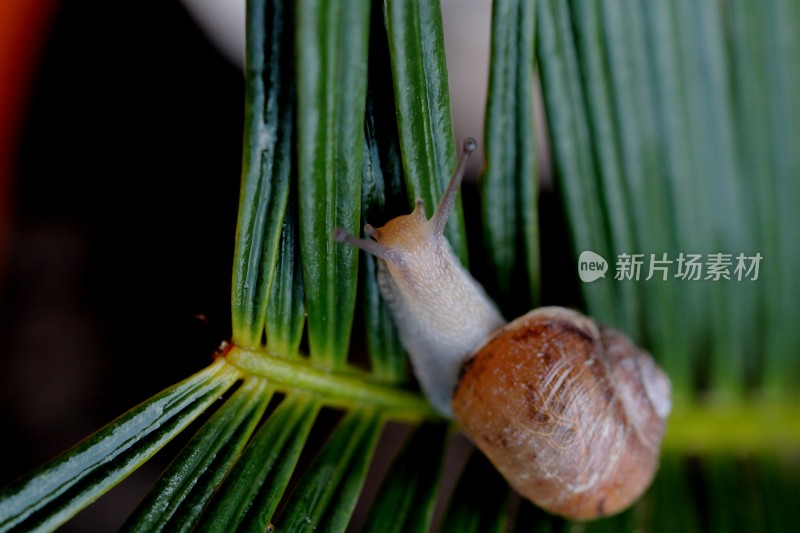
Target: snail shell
[[571, 414]]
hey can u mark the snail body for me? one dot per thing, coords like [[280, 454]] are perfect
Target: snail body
[[571, 413]]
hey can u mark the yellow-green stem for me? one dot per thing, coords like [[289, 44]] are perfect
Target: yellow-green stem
[[734, 428], [724, 427], [351, 388]]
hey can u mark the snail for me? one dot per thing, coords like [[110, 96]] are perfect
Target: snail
[[569, 411]]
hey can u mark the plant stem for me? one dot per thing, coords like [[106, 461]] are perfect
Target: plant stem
[[344, 389], [753, 428], [709, 428]]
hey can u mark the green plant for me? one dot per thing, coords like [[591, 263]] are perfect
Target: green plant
[[656, 110]]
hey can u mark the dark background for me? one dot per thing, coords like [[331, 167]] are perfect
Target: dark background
[[123, 229]]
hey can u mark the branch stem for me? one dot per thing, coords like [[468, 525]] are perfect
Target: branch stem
[[343, 388]]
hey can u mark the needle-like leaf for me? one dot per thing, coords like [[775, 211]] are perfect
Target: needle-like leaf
[[407, 496], [266, 164], [285, 310], [509, 186], [416, 45], [480, 501], [325, 497], [52, 494], [251, 493], [177, 500], [331, 67]]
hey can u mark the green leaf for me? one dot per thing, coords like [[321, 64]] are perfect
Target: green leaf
[[666, 512], [719, 180], [251, 493], [778, 483], [780, 216], [508, 183], [177, 500], [416, 46], [331, 59], [381, 182], [285, 310], [327, 493], [407, 496], [748, 47], [49, 496], [679, 167], [266, 165], [641, 165], [480, 501], [725, 479], [387, 356], [341, 507], [671, 127], [564, 98], [589, 38]]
